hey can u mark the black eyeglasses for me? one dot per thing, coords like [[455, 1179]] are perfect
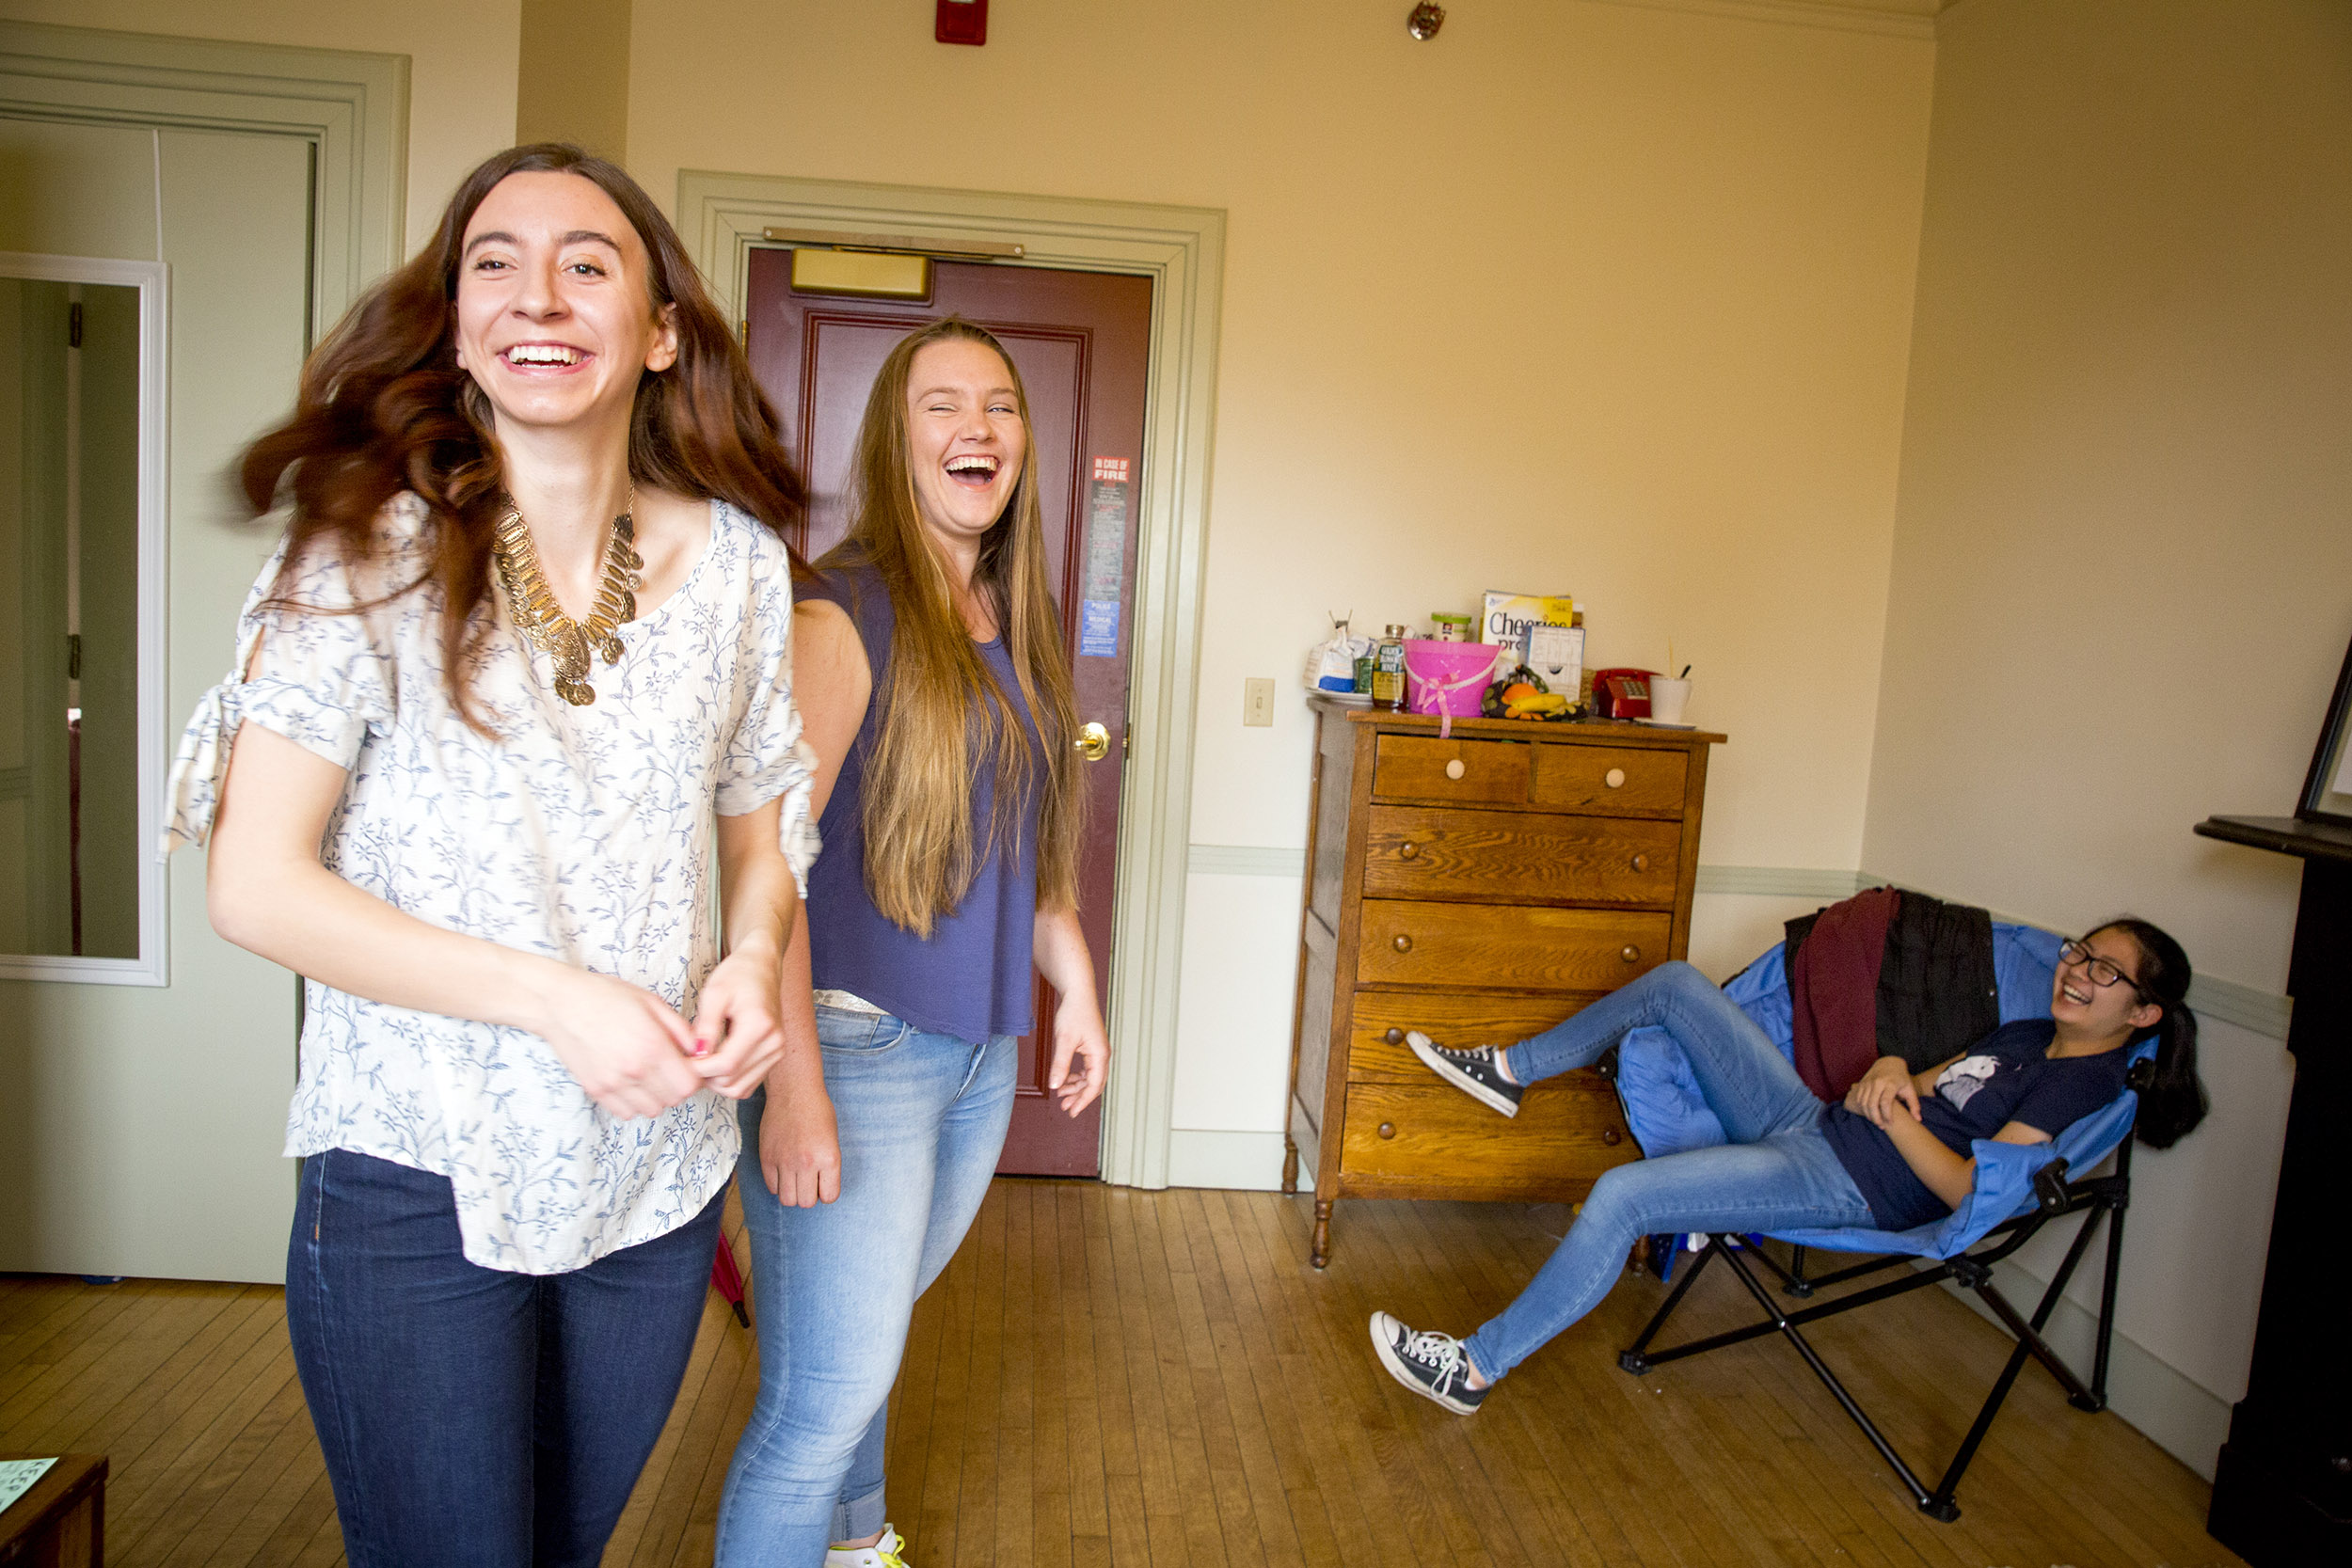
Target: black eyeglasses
[[2103, 972]]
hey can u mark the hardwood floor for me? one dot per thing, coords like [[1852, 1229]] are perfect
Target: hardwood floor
[[1107, 1376]]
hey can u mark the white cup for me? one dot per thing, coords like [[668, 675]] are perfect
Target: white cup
[[1667, 699]]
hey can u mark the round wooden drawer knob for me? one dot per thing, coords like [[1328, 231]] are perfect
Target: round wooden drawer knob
[[1394, 1036], [1609, 1137], [1387, 1130], [1641, 863], [1614, 778], [1455, 770], [1409, 850], [1630, 953], [1405, 944]]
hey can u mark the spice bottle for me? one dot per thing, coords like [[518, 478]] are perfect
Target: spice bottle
[[1388, 670]]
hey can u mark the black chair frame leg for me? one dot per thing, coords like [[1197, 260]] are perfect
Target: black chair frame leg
[[2103, 1199]]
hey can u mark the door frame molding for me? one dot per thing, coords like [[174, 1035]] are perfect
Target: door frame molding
[[352, 108], [1182, 249]]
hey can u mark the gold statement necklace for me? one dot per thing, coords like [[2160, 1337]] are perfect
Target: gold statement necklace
[[571, 644]]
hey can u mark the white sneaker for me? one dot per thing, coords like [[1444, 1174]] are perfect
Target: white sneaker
[[882, 1554]]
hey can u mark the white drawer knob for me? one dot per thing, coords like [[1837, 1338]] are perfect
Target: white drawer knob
[[1455, 770], [1614, 778]]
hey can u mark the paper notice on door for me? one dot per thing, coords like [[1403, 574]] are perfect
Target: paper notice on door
[[18, 1474], [1105, 570], [1098, 628]]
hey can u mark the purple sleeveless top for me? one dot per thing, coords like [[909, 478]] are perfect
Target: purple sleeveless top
[[971, 977]]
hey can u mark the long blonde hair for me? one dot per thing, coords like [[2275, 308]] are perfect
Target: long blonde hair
[[922, 848]]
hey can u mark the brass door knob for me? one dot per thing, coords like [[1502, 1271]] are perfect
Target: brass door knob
[[1609, 1137], [1614, 778], [1455, 770], [1641, 863], [1630, 954], [1409, 850], [1394, 1036], [1387, 1130], [1094, 742], [1403, 944]]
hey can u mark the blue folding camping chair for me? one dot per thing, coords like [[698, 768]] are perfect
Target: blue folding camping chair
[[2019, 1189]]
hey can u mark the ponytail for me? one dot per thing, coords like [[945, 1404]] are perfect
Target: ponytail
[[2173, 1101]]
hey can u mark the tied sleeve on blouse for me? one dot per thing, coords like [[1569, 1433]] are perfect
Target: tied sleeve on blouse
[[319, 680], [765, 756]]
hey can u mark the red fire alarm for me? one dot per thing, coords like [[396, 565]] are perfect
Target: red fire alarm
[[961, 22]]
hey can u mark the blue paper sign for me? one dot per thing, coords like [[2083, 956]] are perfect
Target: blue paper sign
[[1098, 628]]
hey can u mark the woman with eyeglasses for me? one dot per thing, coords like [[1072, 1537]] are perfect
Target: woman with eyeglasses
[[1895, 1155]]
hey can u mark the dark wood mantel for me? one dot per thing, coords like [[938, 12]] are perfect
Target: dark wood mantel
[[2282, 1491]]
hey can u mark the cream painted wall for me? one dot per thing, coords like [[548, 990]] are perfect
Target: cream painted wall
[[1594, 298], [2120, 586], [462, 54]]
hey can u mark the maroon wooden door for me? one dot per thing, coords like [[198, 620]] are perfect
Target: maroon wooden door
[[1081, 341]]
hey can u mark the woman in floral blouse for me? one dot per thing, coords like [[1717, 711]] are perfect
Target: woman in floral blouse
[[518, 674]]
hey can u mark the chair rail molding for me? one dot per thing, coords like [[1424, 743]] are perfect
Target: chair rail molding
[[1182, 249]]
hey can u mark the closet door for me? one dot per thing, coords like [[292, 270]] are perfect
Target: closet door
[[145, 1120]]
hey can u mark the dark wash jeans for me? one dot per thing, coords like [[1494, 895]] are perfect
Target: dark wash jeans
[[471, 1418]]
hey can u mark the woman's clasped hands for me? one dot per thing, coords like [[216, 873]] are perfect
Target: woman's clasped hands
[[637, 1056], [1877, 1093]]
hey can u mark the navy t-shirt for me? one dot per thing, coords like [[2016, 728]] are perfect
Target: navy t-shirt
[[2007, 1076], [972, 978]]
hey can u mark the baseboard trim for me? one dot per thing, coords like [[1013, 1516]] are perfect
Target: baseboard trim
[[1244, 1162], [2179, 1415]]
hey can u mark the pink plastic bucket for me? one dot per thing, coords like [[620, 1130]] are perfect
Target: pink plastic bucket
[[1447, 678]]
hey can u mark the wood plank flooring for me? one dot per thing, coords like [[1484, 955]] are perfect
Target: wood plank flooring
[[1158, 1379]]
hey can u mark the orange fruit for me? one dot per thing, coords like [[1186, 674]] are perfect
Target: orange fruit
[[1519, 692]]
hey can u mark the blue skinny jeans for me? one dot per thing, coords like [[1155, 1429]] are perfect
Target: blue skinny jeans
[[922, 1120], [1777, 1171], [472, 1417]]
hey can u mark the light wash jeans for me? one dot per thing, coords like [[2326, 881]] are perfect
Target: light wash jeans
[[1777, 1172], [922, 1119]]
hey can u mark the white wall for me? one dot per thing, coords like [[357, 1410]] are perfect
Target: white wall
[[1609, 299], [2118, 601]]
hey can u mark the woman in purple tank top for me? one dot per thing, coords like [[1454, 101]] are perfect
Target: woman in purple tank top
[[930, 671]]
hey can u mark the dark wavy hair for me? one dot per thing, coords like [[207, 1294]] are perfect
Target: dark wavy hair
[[2174, 1099], [384, 408]]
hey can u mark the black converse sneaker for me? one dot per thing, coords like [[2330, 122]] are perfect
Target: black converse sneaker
[[1430, 1364], [1475, 1072]]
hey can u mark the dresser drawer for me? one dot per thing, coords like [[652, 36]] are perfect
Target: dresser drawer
[[1569, 1130], [1609, 780], [1506, 947], [1521, 857], [1481, 772], [1379, 1019]]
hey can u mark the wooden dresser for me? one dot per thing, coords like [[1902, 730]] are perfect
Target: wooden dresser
[[1479, 889]]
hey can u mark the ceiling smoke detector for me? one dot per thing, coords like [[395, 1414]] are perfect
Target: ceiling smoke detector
[[1425, 20]]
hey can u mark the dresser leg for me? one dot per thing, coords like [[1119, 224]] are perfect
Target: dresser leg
[[1319, 1254], [1290, 1166]]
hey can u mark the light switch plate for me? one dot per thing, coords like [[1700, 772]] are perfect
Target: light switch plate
[[1257, 700]]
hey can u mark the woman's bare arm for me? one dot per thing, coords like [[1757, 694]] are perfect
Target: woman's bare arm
[[1059, 946], [267, 892], [799, 1151]]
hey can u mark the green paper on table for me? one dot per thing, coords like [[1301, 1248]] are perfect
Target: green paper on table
[[18, 1474]]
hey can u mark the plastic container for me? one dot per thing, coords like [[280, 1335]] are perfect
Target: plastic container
[[1447, 678]]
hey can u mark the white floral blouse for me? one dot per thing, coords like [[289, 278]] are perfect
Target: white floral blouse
[[584, 833]]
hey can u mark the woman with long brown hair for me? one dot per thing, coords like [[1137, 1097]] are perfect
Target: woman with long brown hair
[[937, 689], [521, 664]]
